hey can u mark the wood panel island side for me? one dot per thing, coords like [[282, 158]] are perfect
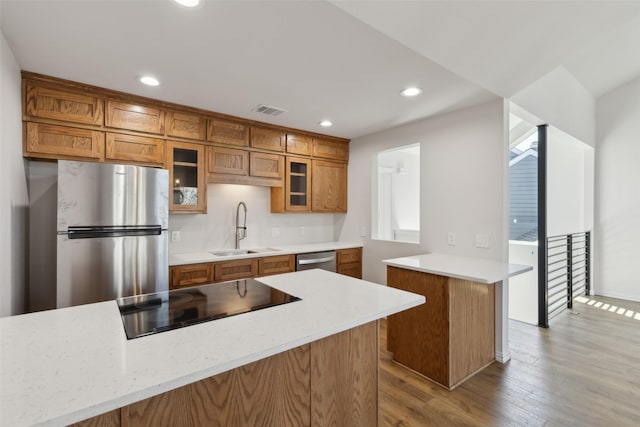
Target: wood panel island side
[[452, 336], [312, 362]]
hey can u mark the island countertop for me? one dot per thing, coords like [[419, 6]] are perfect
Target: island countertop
[[61, 366], [459, 267]]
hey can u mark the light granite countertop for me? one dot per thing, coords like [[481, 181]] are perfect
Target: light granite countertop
[[61, 366], [201, 257], [466, 268]]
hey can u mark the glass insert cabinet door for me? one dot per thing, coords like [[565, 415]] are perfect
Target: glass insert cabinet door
[[298, 184], [187, 179]]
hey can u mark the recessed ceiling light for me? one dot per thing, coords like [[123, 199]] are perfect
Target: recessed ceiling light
[[149, 81], [411, 91], [325, 123], [188, 3]]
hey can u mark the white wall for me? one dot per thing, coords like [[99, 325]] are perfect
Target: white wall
[[462, 179], [216, 229], [13, 188], [617, 194], [561, 101], [523, 289], [569, 184]]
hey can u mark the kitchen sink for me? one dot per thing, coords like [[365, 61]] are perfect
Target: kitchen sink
[[234, 252]]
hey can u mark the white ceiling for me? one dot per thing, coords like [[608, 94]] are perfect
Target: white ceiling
[[343, 61]]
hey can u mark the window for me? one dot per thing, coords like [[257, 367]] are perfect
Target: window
[[395, 210]]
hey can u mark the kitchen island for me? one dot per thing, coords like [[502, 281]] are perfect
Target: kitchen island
[[452, 336], [312, 361]]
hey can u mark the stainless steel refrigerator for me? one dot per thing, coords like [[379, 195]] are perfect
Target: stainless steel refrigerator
[[112, 231]]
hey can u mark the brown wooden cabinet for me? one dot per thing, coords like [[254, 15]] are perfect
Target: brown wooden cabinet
[[182, 125], [268, 139], [349, 262], [295, 196], [451, 336], [66, 105], [140, 150], [234, 270], [266, 165], [335, 150], [62, 142], [227, 161], [239, 166], [299, 144], [186, 165], [329, 186], [227, 132], [276, 264], [190, 275], [136, 117]]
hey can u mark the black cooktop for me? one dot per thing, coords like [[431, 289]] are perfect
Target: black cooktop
[[163, 311]]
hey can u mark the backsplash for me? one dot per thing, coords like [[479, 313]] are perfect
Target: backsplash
[[216, 229]]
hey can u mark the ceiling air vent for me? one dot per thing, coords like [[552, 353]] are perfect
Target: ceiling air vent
[[268, 110]]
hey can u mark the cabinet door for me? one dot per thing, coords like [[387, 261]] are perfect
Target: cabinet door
[[349, 262], [135, 149], [181, 276], [299, 144], [267, 139], [334, 150], [57, 104], [183, 125], [227, 161], [185, 162], [61, 142], [235, 270], [329, 187], [266, 165], [276, 264], [298, 185], [226, 132], [140, 118]]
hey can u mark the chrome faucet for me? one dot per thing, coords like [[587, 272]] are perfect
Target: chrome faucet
[[241, 232]]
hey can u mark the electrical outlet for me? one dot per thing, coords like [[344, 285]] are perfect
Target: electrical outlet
[[301, 230], [451, 238], [363, 231], [482, 241], [175, 236], [275, 232]]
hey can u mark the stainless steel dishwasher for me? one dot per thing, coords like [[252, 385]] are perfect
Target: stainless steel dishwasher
[[324, 260]]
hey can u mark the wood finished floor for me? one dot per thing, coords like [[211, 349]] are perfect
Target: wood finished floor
[[582, 371]]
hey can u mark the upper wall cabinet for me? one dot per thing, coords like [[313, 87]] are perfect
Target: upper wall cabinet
[[183, 125], [299, 144], [136, 117], [227, 132], [139, 150], [334, 150], [69, 106], [54, 142], [328, 186], [268, 139]]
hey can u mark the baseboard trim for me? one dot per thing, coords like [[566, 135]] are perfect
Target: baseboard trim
[[503, 357], [619, 295]]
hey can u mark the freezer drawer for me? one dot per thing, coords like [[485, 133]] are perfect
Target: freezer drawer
[[101, 269]]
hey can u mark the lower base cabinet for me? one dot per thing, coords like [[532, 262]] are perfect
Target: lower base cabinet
[[332, 381]]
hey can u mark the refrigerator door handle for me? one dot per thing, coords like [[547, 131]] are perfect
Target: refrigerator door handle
[[111, 231]]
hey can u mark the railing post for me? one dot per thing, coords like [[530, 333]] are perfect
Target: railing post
[[569, 271], [543, 250], [587, 263]]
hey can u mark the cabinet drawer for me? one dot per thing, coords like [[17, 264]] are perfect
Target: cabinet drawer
[[186, 126], [353, 269], [190, 275], [225, 132], [276, 264], [267, 139], [135, 149], [48, 103], [59, 142], [330, 149], [299, 144], [227, 161], [134, 117], [346, 256], [266, 165], [234, 270]]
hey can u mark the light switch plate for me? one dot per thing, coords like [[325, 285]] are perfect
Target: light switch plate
[[175, 236], [451, 238], [301, 230], [482, 240], [363, 231], [275, 232]]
